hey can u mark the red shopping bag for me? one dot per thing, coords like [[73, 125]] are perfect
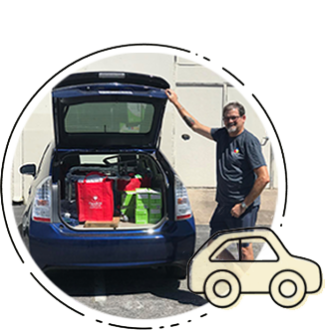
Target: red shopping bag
[[95, 198]]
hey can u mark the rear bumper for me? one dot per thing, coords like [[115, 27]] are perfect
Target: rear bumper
[[53, 245]]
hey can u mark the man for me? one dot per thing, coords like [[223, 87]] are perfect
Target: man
[[241, 170]]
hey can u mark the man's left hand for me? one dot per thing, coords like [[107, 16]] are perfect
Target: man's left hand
[[237, 210]]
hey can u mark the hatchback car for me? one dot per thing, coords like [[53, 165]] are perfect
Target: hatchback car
[[105, 157]]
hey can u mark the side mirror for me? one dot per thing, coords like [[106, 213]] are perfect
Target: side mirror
[[29, 169], [185, 137]]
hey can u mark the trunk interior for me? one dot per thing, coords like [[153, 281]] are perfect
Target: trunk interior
[[111, 191]]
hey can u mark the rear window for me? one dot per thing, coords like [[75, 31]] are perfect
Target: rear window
[[109, 117]]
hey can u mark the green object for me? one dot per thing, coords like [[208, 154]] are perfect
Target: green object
[[128, 204], [155, 206], [155, 215], [143, 204], [142, 198], [128, 211], [155, 199], [127, 198], [141, 216]]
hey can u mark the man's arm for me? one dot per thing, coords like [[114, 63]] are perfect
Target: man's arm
[[259, 185], [261, 181], [192, 122]]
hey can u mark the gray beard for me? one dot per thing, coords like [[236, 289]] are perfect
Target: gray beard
[[232, 129]]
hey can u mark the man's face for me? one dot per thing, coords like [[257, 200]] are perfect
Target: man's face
[[234, 123]]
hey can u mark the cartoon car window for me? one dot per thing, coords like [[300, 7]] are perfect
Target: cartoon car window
[[261, 245], [229, 251]]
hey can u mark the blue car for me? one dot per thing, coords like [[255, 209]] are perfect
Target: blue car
[[106, 148]]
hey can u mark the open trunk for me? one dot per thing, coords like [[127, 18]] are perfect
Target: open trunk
[[114, 191], [95, 112]]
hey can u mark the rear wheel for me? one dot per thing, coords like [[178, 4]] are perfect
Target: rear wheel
[[287, 289], [222, 289]]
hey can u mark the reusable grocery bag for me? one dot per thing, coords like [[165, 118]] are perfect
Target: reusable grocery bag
[[95, 198]]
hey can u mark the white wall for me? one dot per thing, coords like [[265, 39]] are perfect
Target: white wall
[[204, 93], [200, 91]]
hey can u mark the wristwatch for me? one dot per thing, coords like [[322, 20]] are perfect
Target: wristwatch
[[244, 206]]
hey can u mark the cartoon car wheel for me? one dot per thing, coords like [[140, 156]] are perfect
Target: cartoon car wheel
[[222, 288], [287, 289]]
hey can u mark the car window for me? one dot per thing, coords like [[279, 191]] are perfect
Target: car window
[[109, 117], [228, 251], [262, 249]]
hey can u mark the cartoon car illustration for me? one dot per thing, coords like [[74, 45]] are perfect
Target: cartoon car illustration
[[285, 277]]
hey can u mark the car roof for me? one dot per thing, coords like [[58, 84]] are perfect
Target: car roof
[[83, 78], [241, 233]]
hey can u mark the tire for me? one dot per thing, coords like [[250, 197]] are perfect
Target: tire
[[287, 289], [176, 272], [222, 289]]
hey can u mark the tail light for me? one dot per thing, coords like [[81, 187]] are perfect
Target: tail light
[[183, 209], [42, 202]]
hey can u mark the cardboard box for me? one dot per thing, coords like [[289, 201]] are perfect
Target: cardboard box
[[155, 199], [155, 214], [141, 216], [142, 198], [103, 224], [143, 204]]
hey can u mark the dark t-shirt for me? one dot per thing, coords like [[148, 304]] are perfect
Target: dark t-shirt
[[237, 157]]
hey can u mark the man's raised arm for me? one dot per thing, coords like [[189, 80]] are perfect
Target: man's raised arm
[[192, 122]]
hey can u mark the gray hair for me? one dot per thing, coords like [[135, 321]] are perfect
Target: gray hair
[[232, 106]]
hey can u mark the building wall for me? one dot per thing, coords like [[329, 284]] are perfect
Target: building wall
[[202, 92]]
